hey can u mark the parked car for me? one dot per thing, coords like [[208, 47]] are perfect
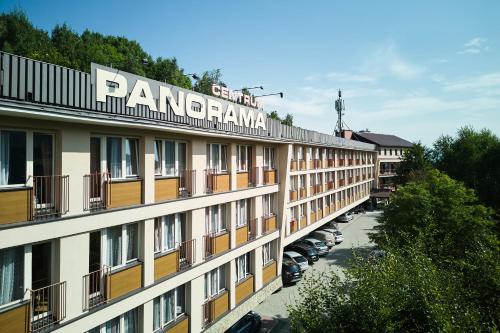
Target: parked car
[[339, 237], [298, 258], [250, 323], [325, 236], [336, 234], [307, 251], [290, 271], [345, 217], [359, 210], [318, 245]]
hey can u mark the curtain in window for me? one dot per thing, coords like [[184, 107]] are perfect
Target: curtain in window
[[132, 237], [131, 158], [11, 274], [213, 282], [222, 278], [158, 154], [169, 232], [180, 302], [114, 246], [156, 313], [113, 326], [4, 158], [169, 306], [130, 322], [157, 235], [215, 158], [182, 155], [222, 225], [179, 228], [170, 157], [114, 157]]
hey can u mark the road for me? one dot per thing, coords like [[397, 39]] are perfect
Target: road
[[273, 309]]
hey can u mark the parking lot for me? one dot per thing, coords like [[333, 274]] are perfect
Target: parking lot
[[273, 309]]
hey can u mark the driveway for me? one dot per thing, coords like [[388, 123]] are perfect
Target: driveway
[[273, 309]]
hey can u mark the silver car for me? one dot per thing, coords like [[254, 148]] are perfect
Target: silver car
[[320, 246], [298, 258]]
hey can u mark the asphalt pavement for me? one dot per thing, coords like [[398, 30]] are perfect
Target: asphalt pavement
[[273, 309]]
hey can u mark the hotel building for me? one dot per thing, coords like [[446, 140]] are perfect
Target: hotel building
[[115, 217]]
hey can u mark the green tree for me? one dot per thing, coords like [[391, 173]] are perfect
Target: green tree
[[288, 120], [415, 163], [207, 79]]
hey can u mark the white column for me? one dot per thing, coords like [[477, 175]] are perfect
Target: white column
[[231, 283], [148, 169], [147, 317], [257, 267], [231, 222], [73, 255], [196, 228], [196, 298], [147, 251], [199, 163], [257, 214], [232, 165], [75, 162], [285, 152]]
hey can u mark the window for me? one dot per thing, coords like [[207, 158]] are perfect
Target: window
[[217, 157], [215, 282], [169, 232], [168, 307], [316, 153], [302, 209], [293, 213], [268, 204], [267, 253], [170, 157], [243, 157], [12, 158], [122, 154], [126, 323], [121, 244], [242, 266], [396, 152], [300, 153], [302, 181], [242, 212], [215, 219], [385, 151], [268, 158], [11, 274], [313, 205]]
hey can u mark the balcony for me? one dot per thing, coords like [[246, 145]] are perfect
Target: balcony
[[215, 307], [311, 165], [216, 181], [313, 217], [47, 306], [246, 179], [17, 204], [269, 272], [341, 182], [330, 185], [293, 195], [341, 162], [102, 192], [302, 164], [241, 235], [319, 214], [327, 210], [318, 188], [317, 163], [180, 325], [179, 258], [302, 192], [215, 243], [170, 188], [15, 318], [244, 289], [303, 222], [350, 180], [331, 162], [270, 176], [350, 162], [269, 224], [96, 289], [293, 165], [311, 190], [125, 280], [358, 161], [293, 226]]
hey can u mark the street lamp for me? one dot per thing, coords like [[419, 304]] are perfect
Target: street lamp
[[193, 75], [258, 87], [280, 93]]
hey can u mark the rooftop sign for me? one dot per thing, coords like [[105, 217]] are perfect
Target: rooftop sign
[[158, 96]]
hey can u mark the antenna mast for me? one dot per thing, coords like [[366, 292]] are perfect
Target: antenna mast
[[340, 107]]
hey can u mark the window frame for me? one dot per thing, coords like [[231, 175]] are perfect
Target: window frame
[[268, 204], [243, 261], [123, 246], [177, 237], [243, 151], [269, 158], [242, 221], [267, 253], [210, 161], [220, 274], [221, 226], [177, 157], [27, 135], [163, 323]]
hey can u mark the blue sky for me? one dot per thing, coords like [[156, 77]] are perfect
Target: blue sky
[[416, 69]]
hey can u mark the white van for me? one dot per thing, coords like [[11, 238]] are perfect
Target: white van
[[324, 236]]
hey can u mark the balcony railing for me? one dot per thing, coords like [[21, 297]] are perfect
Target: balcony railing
[[187, 183], [270, 176], [96, 191], [51, 196], [252, 228], [187, 254], [331, 163], [215, 243], [47, 306], [217, 181], [269, 223], [215, 307], [96, 289]]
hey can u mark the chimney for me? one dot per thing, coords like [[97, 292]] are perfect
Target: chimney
[[347, 134]]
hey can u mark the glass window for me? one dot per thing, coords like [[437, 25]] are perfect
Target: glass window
[[266, 253], [132, 241], [158, 157], [181, 155], [268, 204], [114, 246], [11, 274], [12, 157], [243, 266], [132, 157], [268, 158], [215, 219], [242, 212], [122, 244], [170, 158], [130, 322], [169, 231], [114, 157]]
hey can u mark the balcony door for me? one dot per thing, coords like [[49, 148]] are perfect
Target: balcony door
[[43, 170]]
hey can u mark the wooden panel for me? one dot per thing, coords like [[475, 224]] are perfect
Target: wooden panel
[[311, 190], [15, 320], [293, 165], [293, 226], [269, 177], [311, 164], [220, 305], [293, 195], [241, 235], [269, 272], [270, 223], [16, 205], [313, 217], [327, 210], [221, 183], [302, 192], [181, 326], [302, 165], [166, 264], [125, 281], [125, 194], [242, 180], [166, 189], [220, 243], [244, 289], [303, 222], [319, 214]]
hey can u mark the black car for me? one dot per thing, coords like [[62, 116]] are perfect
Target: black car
[[290, 271], [250, 323], [307, 251]]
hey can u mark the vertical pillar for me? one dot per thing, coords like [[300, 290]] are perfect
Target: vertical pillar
[[199, 163], [231, 222], [232, 165], [196, 229], [75, 162], [147, 316], [259, 163], [147, 250], [284, 153], [257, 267], [231, 283], [148, 169], [73, 256], [196, 298], [258, 212]]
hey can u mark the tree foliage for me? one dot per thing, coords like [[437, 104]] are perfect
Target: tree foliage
[[204, 83], [288, 120], [415, 162]]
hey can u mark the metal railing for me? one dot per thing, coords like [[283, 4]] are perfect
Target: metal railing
[[50, 196], [207, 312], [187, 183], [211, 180], [96, 288], [47, 306], [265, 223], [267, 177], [210, 243], [96, 191], [252, 228], [187, 254]]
